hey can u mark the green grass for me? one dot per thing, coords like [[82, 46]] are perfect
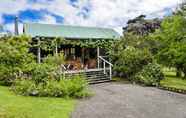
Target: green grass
[[13, 106], [172, 81]]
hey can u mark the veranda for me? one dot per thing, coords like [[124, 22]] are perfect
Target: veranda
[[79, 56]]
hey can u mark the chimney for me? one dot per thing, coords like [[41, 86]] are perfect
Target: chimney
[[16, 26]]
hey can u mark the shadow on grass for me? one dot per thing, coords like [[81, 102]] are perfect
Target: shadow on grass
[[172, 81]]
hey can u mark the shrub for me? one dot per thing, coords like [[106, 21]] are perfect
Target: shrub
[[43, 72], [14, 57], [76, 87], [46, 80], [56, 60], [132, 60], [150, 75], [49, 69]]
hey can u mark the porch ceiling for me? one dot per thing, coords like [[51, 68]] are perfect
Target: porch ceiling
[[71, 32]]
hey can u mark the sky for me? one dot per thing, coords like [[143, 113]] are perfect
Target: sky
[[100, 13]]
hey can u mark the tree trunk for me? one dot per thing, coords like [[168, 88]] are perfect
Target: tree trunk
[[184, 71], [178, 72]]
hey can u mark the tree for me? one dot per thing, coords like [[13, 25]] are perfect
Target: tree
[[130, 54], [134, 52], [181, 9], [173, 40], [14, 57], [142, 26]]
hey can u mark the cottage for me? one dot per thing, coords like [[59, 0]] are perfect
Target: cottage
[[78, 57]]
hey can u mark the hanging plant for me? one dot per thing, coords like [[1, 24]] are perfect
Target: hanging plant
[[50, 45]]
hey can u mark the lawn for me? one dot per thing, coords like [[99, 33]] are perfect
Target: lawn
[[172, 81], [13, 106]]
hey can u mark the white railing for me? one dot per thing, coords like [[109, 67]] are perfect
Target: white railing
[[101, 59], [63, 70]]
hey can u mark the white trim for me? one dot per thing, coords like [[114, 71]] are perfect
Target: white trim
[[85, 70]]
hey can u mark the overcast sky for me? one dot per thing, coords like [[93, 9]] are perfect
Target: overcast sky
[[101, 13]]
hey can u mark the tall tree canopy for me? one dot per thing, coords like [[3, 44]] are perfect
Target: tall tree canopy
[[181, 9], [172, 36], [142, 26]]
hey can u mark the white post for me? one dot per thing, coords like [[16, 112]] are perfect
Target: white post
[[98, 54], [39, 51], [110, 72], [104, 67]]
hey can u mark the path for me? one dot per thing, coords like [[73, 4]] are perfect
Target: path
[[114, 100]]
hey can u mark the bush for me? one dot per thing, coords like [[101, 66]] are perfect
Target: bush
[[150, 75], [55, 60], [14, 57], [76, 87], [43, 72], [45, 80], [132, 60], [17, 66]]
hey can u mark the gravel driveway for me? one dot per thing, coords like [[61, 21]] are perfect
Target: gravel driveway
[[115, 100]]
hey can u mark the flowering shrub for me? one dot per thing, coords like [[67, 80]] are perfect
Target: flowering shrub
[[150, 75], [132, 60], [76, 87]]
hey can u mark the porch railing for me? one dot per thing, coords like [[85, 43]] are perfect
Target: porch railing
[[104, 62], [63, 69]]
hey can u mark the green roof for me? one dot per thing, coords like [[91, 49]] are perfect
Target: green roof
[[73, 32]]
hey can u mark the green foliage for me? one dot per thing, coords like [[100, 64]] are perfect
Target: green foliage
[[128, 40], [14, 57], [133, 56], [55, 60], [136, 41], [46, 79], [150, 75], [173, 40], [50, 45], [76, 87], [181, 9], [48, 70], [29, 78], [44, 72], [131, 60], [172, 81]]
